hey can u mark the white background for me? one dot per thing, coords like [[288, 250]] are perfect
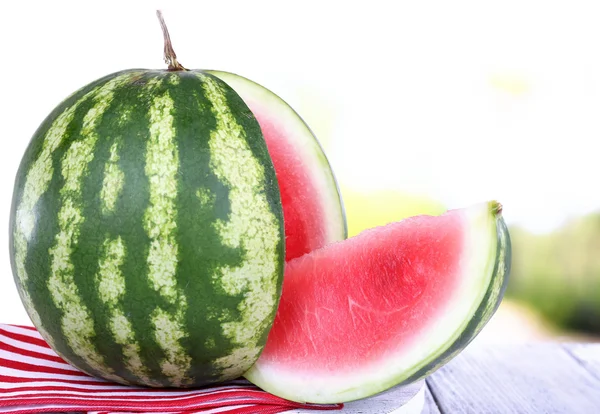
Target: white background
[[461, 101]]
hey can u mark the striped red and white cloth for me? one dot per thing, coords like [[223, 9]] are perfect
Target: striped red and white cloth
[[34, 379]]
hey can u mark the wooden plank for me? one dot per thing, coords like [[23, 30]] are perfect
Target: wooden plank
[[430, 406], [588, 355], [533, 378]]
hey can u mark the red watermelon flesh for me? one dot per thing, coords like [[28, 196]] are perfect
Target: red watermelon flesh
[[385, 307], [312, 206]]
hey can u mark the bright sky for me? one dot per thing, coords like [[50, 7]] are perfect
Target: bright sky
[[462, 101]]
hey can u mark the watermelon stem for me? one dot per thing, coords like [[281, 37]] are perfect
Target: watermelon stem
[[496, 208], [169, 54]]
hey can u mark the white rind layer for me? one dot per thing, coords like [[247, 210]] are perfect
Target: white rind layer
[[305, 144], [477, 264]]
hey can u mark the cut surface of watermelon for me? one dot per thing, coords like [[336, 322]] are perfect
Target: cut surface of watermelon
[[386, 307], [312, 206]]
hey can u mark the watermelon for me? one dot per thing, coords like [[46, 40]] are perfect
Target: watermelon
[[146, 230], [313, 210], [386, 307]]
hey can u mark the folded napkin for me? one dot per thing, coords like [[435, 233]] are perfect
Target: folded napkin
[[34, 379]]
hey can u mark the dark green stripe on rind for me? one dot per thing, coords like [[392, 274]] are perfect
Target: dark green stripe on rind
[[110, 240], [116, 127], [90, 240], [130, 210], [201, 198]]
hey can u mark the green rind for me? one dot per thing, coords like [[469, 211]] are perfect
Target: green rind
[[336, 211], [202, 253]]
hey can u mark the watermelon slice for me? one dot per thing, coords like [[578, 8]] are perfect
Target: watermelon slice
[[312, 205], [386, 307]]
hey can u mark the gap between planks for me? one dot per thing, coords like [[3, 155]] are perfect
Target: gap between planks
[[587, 355]]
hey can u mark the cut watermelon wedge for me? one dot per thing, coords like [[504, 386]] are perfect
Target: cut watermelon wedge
[[386, 307], [312, 204]]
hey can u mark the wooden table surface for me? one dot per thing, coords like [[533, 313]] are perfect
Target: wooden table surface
[[500, 379], [533, 378]]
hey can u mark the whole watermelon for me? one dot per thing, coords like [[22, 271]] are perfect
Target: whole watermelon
[[146, 230]]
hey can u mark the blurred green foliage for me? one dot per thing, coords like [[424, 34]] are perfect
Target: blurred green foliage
[[559, 273]]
